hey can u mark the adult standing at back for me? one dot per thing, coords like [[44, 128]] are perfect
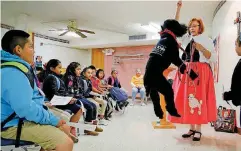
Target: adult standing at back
[[138, 87]]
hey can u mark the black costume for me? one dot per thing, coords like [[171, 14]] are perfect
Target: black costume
[[235, 94], [164, 53]]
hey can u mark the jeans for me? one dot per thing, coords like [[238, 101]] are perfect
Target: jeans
[[91, 110], [142, 92]]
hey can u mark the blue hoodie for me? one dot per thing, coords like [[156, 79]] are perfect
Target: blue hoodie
[[18, 96]]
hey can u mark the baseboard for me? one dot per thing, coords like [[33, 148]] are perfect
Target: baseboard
[[239, 131], [138, 98]]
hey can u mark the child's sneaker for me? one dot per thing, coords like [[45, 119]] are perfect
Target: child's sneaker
[[92, 133], [75, 139], [98, 129], [88, 122], [143, 104], [102, 122]]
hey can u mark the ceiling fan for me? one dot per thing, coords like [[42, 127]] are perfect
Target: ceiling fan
[[72, 27]]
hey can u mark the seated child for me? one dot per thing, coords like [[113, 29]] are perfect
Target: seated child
[[50, 88], [113, 80], [20, 98], [86, 76], [100, 74], [75, 87]]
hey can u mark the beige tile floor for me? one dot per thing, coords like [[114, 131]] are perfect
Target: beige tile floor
[[133, 132]]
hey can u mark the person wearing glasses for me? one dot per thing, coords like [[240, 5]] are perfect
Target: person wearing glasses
[[195, 101]]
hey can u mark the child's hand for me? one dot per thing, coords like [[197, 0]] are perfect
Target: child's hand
[[49, 105], [61, 123], [109, 86], [72, 101]]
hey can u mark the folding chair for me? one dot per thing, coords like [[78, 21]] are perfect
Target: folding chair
[[9, 145]]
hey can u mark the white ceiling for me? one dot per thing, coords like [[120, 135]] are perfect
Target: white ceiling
[[113, 22]]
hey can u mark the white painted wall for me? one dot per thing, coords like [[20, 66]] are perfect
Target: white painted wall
[[223, 24], [3, 31], [65, 55]]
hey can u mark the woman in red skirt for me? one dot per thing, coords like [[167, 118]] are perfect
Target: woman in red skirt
[[195, 100]]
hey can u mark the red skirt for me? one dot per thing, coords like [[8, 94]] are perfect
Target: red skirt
[[195, 100]]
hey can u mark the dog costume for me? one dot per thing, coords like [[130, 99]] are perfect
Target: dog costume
[[164, 53]]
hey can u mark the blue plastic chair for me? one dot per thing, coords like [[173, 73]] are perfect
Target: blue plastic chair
[[9, 145]]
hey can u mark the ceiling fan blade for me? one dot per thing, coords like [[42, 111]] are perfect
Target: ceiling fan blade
[[64, 33], [57, 29], [87, 31], [80, 34]]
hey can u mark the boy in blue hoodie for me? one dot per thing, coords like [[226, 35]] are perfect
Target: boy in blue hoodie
[[17, 95]]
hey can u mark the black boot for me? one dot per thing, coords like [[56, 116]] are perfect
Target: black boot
[[172, 111]]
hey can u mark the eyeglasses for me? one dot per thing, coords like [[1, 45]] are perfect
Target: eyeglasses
[[194, 26]]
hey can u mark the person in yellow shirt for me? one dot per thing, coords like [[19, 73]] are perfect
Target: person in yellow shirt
[[138, 87]]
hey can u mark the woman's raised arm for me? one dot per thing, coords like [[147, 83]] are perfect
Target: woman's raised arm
[[179, 5]]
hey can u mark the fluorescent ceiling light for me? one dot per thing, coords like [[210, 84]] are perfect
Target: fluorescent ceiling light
[[156, 36], [72, 34], [158, 27], [151, 27]]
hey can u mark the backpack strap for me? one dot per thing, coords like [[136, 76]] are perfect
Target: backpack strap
[[28, 72], [30, 75], [7, 120]]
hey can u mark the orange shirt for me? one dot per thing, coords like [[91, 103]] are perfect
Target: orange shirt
[[137, 81]]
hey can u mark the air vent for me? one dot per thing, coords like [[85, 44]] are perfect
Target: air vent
[[7, 27], [137, 37], [51, 38]]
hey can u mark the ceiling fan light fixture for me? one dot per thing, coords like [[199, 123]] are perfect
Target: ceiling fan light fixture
[[72, 34]]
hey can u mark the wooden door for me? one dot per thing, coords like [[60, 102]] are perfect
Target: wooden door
[[98, 58]]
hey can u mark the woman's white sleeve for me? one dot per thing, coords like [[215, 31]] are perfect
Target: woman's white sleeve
[[211, 49]]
